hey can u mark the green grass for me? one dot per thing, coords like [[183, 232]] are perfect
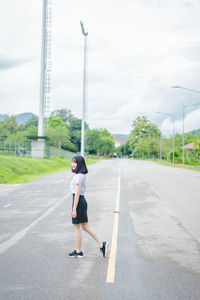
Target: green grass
[[178, 165], [21, 169], [168, 164]]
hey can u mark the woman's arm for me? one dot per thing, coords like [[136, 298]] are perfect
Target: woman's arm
[[76, 199]]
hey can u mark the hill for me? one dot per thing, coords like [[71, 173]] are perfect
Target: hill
[[122, 136], [195, 131], [24, 117], [21, 118]]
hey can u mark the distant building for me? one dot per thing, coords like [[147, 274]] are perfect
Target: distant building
[[118, 141], [191, 146]]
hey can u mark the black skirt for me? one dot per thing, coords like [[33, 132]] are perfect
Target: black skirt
[[81, 210]]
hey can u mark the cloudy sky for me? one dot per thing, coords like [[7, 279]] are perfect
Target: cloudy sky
[[137, 49]]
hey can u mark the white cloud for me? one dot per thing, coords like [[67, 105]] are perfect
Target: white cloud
[[136, 50]]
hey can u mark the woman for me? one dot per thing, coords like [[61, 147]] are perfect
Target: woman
[[79, 208]]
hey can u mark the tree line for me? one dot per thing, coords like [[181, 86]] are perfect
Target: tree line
[[63, 130], [147, 142]]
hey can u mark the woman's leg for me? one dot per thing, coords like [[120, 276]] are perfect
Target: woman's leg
[[87, 228], [78, 237]]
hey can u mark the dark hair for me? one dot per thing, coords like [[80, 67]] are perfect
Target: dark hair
[[81, 165]]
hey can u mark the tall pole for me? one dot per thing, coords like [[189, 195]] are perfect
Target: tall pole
[[45, 70], [184, 88], [183, 136], [160, 149], [42, 75], [173, 136], [84, 91], [38, 147]]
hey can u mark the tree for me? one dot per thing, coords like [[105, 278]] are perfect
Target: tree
[[8, 126], [30, 123], [143, 140], [56, 122], [75, 132], [124, 149], [93, 141], [59, 137], [58, 134], [106, 145], [100, 142], [64, 114]]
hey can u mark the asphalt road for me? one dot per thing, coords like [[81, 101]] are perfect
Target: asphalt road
[[158, 242]]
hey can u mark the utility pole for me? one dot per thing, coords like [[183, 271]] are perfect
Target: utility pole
[[85, 34]]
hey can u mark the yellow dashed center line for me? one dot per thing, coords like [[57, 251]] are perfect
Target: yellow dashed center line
[[112, 259]]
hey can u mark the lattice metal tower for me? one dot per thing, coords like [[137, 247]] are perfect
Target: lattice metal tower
[[46, 65]]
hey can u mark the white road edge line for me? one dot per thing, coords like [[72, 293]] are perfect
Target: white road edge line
[[19, 235], [112, 258]]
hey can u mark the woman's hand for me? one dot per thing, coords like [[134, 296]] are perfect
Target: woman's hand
[[76, 199], [73, 213]]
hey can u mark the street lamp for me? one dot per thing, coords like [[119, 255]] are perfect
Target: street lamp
[[85, 34], [184, 107], [184, 88], [173, 118]]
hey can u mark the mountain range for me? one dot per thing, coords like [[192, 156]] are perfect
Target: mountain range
[[21, 118]]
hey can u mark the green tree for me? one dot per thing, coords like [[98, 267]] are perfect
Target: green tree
[[8, 126], [106, 145], [56, 122], [75, 132], [144, 138], [100, 142], [93, 141], [124, 149], [64, 114], [30, 123], [59, 137], [58, 134]]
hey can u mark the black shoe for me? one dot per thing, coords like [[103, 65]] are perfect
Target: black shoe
[[75, 254], [103, 250]]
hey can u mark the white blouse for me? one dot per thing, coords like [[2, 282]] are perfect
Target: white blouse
[[78, 179]]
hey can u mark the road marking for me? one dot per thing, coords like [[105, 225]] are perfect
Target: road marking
[[7, 205], [20, 234], [112, 258]]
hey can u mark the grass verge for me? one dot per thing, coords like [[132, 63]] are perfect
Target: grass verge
[[176, 165], [21, 169], [188, 167]]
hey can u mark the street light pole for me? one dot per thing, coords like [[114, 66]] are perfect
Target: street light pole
[[84, 91], [183, 142], [173, 117], [160, 149], [42, 73], [184, 88]]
